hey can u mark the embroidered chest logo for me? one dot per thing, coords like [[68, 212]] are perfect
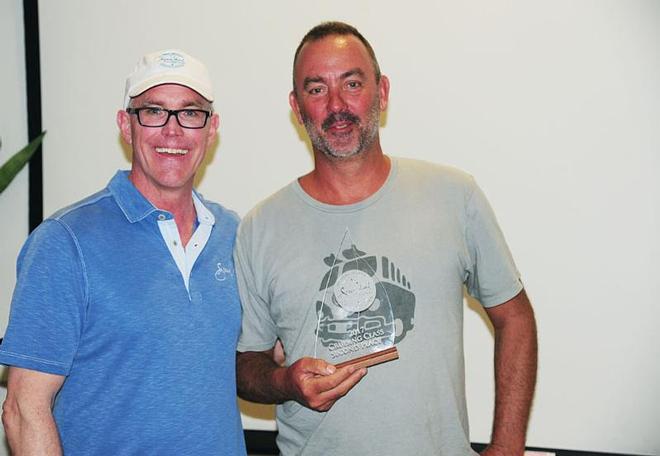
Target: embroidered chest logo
[[223, 273]]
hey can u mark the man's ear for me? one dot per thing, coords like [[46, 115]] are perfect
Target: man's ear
[[215, 124], [384, 91], [293, 102], [124, 124]]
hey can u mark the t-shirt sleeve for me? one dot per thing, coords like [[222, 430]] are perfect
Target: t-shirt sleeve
[[258, 330], [48, 305], [492, 276]]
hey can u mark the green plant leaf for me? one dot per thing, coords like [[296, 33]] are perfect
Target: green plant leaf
[[16, 163]]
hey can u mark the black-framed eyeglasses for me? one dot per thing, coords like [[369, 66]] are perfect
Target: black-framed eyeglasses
[[158, 117]]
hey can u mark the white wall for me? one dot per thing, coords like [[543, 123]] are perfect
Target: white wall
[[13, 135], [553, 105]]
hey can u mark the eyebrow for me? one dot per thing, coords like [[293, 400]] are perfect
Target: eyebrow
[[312, 80], [353, 72]]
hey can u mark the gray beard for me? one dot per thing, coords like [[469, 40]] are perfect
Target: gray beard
[[368, 135]]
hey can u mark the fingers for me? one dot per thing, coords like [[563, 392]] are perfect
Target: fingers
[[317, 366], [343, 381], [279, 356], [320, 384]]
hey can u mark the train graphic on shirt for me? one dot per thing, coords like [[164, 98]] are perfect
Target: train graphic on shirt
[[363, 301]]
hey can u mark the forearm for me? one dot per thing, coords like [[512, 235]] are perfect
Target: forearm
[[27, 412], [515, 379], [30, 430], [260, 379]]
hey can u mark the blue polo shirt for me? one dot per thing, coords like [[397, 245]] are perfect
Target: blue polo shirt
[[149, 362]]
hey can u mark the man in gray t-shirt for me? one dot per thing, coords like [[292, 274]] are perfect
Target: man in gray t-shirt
[[370, 254]]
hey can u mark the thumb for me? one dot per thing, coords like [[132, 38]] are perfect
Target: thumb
[[318, 366]]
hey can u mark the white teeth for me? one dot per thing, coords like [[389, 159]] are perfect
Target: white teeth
[[168, 150]]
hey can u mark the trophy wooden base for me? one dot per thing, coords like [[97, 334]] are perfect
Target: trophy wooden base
[[372, 359]]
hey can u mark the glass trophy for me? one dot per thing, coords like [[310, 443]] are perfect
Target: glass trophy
[[355, 322]]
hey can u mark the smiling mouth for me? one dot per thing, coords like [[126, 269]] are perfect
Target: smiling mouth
[[171, 151], [340, 125], [340, 121], [340, 129]]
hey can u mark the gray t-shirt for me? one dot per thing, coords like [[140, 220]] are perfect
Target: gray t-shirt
[[424, 235]]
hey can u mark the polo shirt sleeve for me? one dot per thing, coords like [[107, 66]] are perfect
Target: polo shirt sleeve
[[492, 276], [258, 330], [48, 305]]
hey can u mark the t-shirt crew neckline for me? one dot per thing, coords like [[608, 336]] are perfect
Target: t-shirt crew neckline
[[347, 208]]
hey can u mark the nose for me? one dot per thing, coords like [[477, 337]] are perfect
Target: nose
[[172, 127], [336, 102]]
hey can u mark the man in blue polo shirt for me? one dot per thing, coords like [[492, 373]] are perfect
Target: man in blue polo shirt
[[125, 316]]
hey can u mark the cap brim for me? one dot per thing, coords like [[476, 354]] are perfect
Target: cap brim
[[149, 83]]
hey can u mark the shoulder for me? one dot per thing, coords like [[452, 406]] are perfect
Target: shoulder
[[221, 213], [81, 211], [226, 220], [273, 208], [66, 224], [434, 177], [422, 168], [51, 246]]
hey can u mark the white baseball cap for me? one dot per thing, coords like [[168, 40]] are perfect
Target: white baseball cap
[[169, 66]]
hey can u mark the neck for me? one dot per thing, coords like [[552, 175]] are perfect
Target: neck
[[346, 181], [177, 201]]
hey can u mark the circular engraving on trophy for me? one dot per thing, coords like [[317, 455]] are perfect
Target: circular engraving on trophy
[[355, 291]]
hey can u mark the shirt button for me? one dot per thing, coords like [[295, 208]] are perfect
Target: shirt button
[[161, 216]]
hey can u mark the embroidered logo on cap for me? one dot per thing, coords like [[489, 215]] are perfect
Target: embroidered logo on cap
[[172, 60]]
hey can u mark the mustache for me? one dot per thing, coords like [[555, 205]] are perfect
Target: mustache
[[339, 117]]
